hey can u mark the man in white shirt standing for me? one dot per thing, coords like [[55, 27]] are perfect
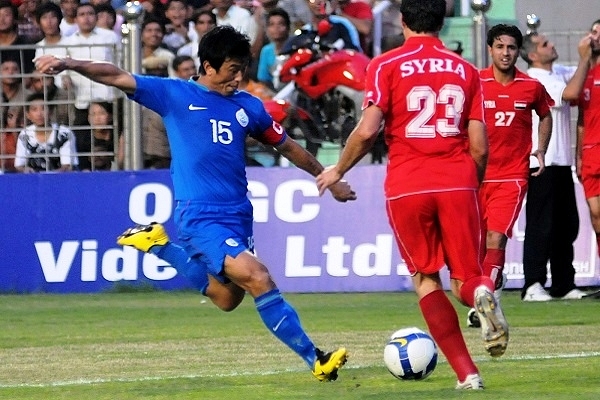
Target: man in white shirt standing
[[229, 14], [91, 43], [68, 26], [49, 16], [552, 221]]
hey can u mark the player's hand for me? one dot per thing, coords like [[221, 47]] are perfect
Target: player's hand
[[584, 47], [539, 154], [341, 191], [327, 179], [50, 65]]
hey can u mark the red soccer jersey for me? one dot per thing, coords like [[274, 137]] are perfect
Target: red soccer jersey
[[428, 95], [508, 120], [590, 103]]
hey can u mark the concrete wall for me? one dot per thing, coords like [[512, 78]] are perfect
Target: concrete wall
[[558, 15], [563, 21]]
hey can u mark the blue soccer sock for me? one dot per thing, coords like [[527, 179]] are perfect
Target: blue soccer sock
[[192, 268], [282, 321]]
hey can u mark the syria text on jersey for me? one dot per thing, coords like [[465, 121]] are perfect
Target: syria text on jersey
[[432, 65]]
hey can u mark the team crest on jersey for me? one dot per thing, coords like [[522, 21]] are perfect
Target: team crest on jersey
[[241, 117], [520, 105]]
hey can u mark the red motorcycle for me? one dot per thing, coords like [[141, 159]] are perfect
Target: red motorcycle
[[323, 96]]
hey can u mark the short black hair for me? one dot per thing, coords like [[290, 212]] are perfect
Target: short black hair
[[107, 106], [280, 12], [13, 8], [81, 5], [48, 7], [503, 29], [197, 14], [37, 96], [222, 43], [423, 16], [153, 20], [168, 3], [178, 60], [106, 7]]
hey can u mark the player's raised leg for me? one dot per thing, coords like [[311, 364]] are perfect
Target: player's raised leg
[[154, 239]]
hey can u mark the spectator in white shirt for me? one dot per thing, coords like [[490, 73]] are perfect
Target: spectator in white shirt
[[153, 56], [229, 14], [68, 26], [204, 21], [44, 145], [92, 43], [49, 16], [108, 18], [552, 220], [177, 29]]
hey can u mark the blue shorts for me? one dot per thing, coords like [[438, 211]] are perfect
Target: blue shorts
[[209, 232]]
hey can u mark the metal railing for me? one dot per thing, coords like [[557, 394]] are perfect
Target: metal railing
[[126, 125], [23, 84]]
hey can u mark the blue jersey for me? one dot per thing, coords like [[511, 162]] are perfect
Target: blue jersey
[[207, 133]]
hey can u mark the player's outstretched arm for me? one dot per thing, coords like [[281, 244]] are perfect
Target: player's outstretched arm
[[359, 142], [301, 158], [99, 71]]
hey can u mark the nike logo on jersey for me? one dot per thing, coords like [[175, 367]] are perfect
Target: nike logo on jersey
[[192, 107]]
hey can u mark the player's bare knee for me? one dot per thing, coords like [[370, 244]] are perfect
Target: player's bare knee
[[225, 296], [260, 282], [228, 304]]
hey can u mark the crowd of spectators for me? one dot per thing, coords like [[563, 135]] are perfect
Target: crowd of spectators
[[171, 31]]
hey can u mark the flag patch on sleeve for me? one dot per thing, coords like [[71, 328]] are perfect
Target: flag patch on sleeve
[[520, 105]]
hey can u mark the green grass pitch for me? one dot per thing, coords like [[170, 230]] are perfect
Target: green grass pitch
[[177, 345]]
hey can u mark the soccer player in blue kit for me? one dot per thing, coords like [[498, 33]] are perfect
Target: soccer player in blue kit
[[207, 121]]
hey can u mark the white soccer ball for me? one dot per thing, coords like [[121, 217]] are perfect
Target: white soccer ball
[[410, 354]]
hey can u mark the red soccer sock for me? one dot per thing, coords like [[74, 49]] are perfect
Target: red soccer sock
[[442, 321], [493, 264], [467, 290]]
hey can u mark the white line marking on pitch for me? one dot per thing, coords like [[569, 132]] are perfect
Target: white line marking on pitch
[[195, 376]]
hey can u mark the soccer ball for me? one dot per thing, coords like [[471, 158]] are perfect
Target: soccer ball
[[410, 354]]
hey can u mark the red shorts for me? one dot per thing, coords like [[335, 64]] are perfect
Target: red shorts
[[501, 203], [433, 229], [590, 171]]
